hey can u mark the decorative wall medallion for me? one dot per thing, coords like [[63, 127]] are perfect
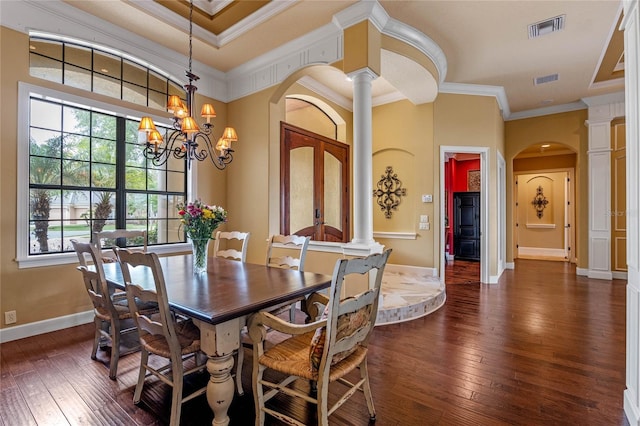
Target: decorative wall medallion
[[539, 202], [389, 192]]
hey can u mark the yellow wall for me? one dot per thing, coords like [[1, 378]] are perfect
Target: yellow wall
[[530, 234], [565, 161], [403, 139], [476, 121], [406, 137], [42, 293], [568, 129]]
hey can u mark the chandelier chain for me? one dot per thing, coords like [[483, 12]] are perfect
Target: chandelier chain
[[190, 35]]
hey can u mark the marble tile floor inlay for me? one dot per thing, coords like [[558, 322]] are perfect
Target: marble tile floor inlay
[[408, 294]]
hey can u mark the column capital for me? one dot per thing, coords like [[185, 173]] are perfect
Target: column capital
[[365, 72]]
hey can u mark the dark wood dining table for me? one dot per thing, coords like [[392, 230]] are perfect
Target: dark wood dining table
[[219, 301]]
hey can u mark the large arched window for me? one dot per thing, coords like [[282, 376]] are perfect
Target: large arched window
[[81, 168]]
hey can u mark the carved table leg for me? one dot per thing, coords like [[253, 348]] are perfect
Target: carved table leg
[[220, 388], [219, 341]]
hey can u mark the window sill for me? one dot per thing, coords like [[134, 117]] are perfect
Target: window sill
[[69, 258]]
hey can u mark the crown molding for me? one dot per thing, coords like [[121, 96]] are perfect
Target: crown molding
[[539, 112], [480, 90], [57, 17], [611, 98], [263, 14]]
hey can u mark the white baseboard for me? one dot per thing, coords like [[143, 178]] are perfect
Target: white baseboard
[[619, 275], [493, 279], [631, 410], [39, 327], [510, 265], [583, 272], [600, 275]]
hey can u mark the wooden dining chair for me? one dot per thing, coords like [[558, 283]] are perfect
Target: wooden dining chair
[[232, 253], [287, 251], [323, 351], [283, 251], [107, 240], [110, 309], [161, 335]]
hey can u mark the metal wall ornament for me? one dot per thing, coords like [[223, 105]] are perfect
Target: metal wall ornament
[[539, 202], [389, 190]]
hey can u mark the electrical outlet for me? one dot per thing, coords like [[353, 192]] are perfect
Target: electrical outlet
[[424, 218], [423, 225], [10, 317], [427, 198]]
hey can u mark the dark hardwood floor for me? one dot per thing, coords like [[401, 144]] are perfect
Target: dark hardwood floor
[[542, 347], [462, 272]]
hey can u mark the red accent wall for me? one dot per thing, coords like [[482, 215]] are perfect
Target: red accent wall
[[455, 180], [460, 176]]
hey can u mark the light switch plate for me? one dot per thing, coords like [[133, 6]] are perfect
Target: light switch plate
[[424, 218], [427, 198]]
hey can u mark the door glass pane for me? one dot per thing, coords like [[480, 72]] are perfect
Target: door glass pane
[[332, 191], [301, 189]]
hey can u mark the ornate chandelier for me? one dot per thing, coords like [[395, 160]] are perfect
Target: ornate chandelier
[[187, 141]]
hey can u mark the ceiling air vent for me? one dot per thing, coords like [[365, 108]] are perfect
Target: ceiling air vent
[[545, 27], [546, 79]]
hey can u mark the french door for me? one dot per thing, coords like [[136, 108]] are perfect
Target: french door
[[314, 185]]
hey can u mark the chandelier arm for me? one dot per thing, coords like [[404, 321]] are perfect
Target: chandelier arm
[[215, 159], [159, 156]]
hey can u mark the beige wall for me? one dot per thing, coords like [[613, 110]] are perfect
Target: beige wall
[[546, 231], [565, 161], [568, 129], [403, 139], [246, 189], [42, 293], [476, 121]]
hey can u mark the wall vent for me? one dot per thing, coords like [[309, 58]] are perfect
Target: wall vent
[[546, 79], [547, 26]]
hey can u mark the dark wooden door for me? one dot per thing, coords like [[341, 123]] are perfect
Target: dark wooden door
[[314, 185], [466, 228]]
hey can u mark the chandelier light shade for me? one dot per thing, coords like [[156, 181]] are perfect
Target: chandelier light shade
[[187, 140]]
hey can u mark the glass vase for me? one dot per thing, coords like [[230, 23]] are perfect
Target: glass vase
[[200, 251]]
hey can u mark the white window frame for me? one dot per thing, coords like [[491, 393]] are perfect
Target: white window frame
[[25, 91]]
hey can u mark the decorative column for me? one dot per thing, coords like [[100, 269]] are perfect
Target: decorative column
[[602, 110], [631, 26], [362, 46], [362, 157]]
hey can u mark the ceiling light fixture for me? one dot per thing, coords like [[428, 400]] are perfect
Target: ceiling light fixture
[[183, 141]]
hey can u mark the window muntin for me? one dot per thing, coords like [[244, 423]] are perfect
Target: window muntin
[[77, 158], [96, 70]]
